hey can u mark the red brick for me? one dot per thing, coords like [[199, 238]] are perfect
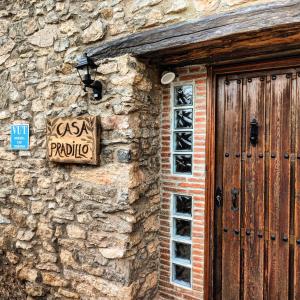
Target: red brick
[[194, 69], [186, 185], [182, 70], [189, 77]]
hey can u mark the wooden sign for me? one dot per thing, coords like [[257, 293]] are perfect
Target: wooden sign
[[73, 140]]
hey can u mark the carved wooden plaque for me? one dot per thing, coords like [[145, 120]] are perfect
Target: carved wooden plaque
[[73, 140]]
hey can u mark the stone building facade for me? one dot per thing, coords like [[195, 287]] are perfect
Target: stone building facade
[[97, 232]]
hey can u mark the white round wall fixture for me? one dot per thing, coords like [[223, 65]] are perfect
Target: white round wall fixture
[[167, 77]]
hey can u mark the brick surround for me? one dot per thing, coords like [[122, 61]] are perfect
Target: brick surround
[[192, 185]]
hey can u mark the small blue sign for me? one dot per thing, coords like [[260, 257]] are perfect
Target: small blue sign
[[19, 137]]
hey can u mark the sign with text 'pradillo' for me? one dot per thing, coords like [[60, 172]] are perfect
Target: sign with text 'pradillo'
[[73, 140]]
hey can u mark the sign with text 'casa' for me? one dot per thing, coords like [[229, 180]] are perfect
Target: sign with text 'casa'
[[19, 137], [73, 140]]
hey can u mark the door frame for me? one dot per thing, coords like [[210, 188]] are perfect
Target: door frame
[[210, 145]]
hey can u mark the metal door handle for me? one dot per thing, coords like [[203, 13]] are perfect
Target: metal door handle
[[253, 132], [219, 197], [234, 199]]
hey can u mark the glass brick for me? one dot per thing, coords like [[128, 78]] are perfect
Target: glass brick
[[182, 251], [183, 163], [183, 95], [183, 141], [183, 227], [182, 274], [183, 204], [183, 118]]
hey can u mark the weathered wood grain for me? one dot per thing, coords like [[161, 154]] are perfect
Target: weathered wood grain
[[253, 189], [257, 23], [209, 268], [218, 216], [262, 260], [231, 242], [296, 206]]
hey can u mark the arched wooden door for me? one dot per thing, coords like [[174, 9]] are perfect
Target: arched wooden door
[[257, 199]]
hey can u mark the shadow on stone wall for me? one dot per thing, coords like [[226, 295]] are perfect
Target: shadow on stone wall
[[10, 286]]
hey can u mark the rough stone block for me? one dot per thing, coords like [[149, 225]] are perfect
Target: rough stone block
[[54, 279], [44, 37], [7, 155], [12, 257], [47, 257], [61, 44], [94, 32], [44, 231], [23, 245], [68, 294], [37, 207], [48, 267], [25, 235], [5, 114], [34, 289], [27, 273], [112, 252], [64, 214], [76, 232]]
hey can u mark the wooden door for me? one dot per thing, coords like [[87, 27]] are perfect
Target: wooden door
[[257, 198]]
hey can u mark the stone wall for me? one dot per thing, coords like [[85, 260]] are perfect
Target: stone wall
[[83, 232], [136, 15], [78, 232]]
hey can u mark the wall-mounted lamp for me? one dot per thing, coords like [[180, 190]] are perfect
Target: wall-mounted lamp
[[85, 68], [167, 77]]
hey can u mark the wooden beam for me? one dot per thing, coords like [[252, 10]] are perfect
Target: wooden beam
[[284, 40], [207, 32]]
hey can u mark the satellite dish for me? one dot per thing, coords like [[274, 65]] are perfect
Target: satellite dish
[[167, 77]]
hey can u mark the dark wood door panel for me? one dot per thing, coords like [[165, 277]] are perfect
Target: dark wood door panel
[[253, 188], [279, 185], [231, 190], [296, 207], [257, 226], [217, 274]]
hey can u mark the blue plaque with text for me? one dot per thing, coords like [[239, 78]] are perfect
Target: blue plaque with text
[[19, 137]]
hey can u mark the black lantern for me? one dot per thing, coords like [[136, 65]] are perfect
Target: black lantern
[[85, 68]]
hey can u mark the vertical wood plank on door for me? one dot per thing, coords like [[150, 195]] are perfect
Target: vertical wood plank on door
[[231, 180], [219, 184], [296, 90], [266, 183], [279, 181], [253, 174], [292, 182]]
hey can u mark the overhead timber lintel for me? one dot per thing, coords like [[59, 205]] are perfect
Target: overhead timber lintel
[[254, 30]]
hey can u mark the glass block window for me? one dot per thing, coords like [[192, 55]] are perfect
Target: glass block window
[[183, 205], [183, 95], [182, 274], [182, 251], [183, 163], [183, 119], [182, 129], [181, 233], [183, 141]]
